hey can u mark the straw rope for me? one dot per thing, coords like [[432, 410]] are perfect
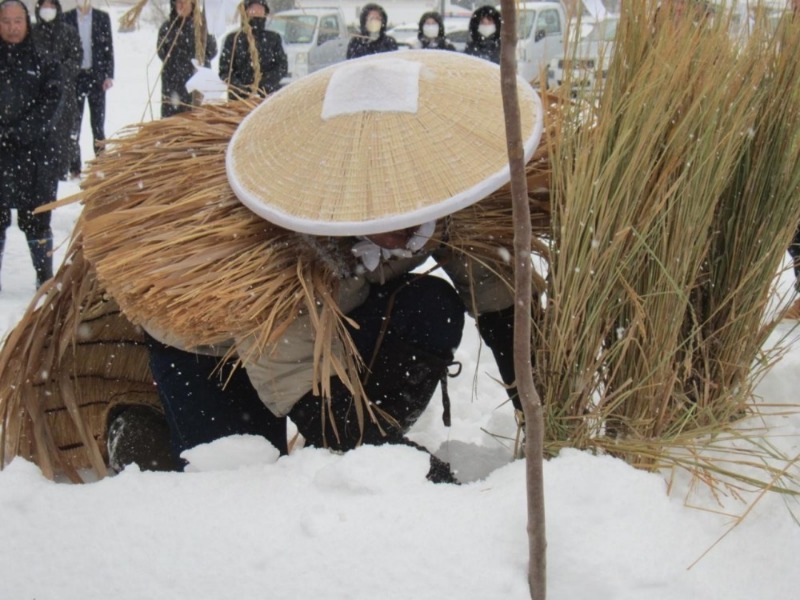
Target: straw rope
[[252, 51], [199, 44], [130, 19]]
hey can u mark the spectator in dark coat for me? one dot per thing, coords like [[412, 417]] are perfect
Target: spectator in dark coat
[[96, 75], [373, 38], [176, 49], [431, 33], [58, 42], [30, 99], [484, 31], [236, 64]]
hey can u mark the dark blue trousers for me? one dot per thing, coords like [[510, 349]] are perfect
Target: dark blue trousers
[[408, 332]]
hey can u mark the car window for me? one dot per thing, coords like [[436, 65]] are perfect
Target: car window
[[549, 21], [297, 29], [525, 21], [458, 38], [328, 29]]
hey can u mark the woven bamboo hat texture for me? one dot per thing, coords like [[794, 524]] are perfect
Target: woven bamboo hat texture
[[379, 143]]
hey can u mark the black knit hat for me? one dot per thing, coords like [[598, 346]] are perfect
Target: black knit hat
[[248, 3]]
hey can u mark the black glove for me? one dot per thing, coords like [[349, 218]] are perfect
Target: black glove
[[497, 330]]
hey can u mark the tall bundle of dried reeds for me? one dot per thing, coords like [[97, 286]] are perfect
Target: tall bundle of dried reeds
[[674, 197]]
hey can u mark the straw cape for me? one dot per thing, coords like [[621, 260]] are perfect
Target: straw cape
[[163, 237]]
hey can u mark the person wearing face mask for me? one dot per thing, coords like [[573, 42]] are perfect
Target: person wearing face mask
[[176, 48], [61, 43], [484, 30], [373, 38], [236, 63], [431, 33], [30, 98]]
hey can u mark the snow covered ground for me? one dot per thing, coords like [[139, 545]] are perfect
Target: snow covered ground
[[367, 525]]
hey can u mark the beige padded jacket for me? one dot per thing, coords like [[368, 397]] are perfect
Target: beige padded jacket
[[282, 373]]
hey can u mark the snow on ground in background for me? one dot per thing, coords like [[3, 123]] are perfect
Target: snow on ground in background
[[367, 524]]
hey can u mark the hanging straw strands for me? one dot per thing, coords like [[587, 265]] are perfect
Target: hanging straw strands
[[162, 191], [671, 213], [69, 360], [165, 236]]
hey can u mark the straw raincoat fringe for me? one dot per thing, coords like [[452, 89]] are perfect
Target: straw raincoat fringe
[[166, 239], [72, 357]]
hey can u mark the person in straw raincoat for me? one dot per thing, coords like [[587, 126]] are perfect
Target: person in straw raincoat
[[289, 286], [370, 205]]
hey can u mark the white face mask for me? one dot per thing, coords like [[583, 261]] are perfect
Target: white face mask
[[374, 25], [430, 31], [47, 14], [486, 30]]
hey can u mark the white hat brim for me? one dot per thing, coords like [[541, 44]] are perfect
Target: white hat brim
[[386, 153]]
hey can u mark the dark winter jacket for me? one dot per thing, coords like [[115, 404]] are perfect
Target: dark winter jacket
[[236, 66], [365, 44], [58, 42], [437, 43], [176, 49], [30, 102], [484, 47], [102, 43]]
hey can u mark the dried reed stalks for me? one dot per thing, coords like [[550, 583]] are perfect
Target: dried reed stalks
[[69, 360], [130, 19], [675, 195]]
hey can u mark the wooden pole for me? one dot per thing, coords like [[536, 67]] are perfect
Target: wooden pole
[[531, 403]]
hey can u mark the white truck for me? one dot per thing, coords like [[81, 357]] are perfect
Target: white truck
[[304, 29], [541, 31]]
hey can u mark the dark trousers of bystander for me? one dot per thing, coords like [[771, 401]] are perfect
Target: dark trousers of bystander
[[89, 89]]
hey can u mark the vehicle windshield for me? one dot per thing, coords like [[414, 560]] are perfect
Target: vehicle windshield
[[525, 21], [603, 31], [298, 29]]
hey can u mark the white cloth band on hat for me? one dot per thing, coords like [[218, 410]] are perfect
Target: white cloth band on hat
[[391, 86]]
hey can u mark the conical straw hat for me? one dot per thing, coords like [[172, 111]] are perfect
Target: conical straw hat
[[379, 143]]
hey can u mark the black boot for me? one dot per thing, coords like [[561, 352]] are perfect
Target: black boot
[[139, 434], [439, 471], [41, 254], [2, 247]]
